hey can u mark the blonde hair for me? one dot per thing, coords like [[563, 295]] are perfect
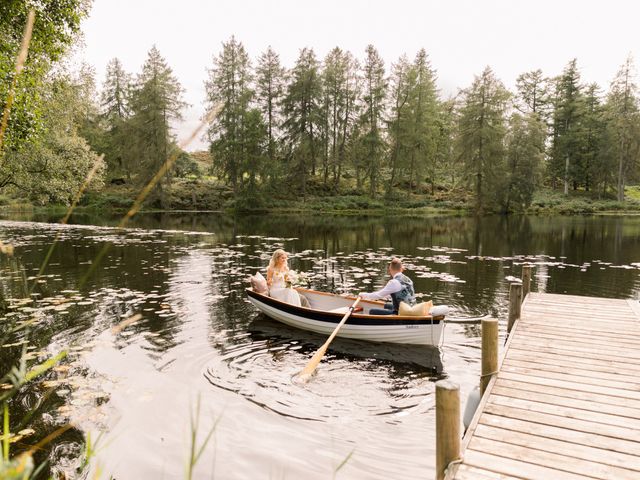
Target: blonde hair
[[275, 258]]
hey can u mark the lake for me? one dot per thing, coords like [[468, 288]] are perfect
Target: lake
[[201, 354]]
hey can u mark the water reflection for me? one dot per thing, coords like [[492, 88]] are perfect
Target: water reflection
[[198, 335]]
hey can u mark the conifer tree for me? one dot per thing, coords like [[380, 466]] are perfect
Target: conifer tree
[[156, 101], [116, 91], [481, 133], [591, 156], [532, 93], [566, 135], [301, 108], [229, 84], [339, 87], [424, 120], [400, 125], [372, 115], [270, 83], [624, 123], [525, 154]]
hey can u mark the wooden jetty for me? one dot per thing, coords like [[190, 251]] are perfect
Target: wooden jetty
[[565, 403]]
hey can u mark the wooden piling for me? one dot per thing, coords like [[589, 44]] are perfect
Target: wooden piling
[[489, 352], [526, 280], [447, 426], [515, 302]]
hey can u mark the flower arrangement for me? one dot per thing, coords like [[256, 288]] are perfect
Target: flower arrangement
[[292, 278]]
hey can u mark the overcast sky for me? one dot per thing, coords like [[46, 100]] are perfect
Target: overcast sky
[[460, 36]]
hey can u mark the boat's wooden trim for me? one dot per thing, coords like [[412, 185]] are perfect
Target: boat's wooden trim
[[348, 297], [354, 315]]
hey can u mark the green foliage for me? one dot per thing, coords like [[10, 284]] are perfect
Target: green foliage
[[108, 200], [302, 117], [52, 166], [185, 166], [229, 85], [117, 136], [525, 154], [623, 125], [270, 82], [156, 101], [566, 137], [56, 26], [372, 116], [481, 134], [552, 202], [533, 94], [338, 113]]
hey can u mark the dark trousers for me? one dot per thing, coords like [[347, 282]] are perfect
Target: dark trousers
[[387, 310]]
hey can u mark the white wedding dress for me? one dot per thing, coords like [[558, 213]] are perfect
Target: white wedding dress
[[280, 291]]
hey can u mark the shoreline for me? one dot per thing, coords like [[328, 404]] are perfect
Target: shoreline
[[116, 202], [377, 212]]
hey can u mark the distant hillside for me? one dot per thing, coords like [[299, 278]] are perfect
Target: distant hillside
[[203, 159]]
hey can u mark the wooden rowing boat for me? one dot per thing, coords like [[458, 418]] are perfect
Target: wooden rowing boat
[[327, 309]]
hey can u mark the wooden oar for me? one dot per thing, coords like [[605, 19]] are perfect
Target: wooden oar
[[306, 373]]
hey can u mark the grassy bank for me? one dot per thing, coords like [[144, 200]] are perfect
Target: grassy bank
[[199, 195]]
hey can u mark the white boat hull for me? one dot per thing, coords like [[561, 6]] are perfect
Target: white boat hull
[[360, 326]]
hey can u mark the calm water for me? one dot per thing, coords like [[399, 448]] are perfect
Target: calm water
[[199, 340]]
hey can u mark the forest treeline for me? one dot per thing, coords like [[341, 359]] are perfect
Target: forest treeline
[[326, 126]]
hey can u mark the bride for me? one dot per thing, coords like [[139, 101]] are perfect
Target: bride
[[278, 275]]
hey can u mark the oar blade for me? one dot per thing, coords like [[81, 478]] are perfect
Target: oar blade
[[314, 362]]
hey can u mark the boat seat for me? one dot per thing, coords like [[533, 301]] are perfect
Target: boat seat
[[344, 310]]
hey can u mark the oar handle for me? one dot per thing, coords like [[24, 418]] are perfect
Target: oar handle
[[315, 360]]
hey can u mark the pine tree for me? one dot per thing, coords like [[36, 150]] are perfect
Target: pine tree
[[348, 119], [229, 84], [339, 87], [592, 162], [533, 93], [270, 82], [255, 143], [401, 122], [301, 107], [525, 154], [623, 120], [372, 116], [446, 160], [568, 109], [155, 102], [424, 119], [116, 91], [481, 133]]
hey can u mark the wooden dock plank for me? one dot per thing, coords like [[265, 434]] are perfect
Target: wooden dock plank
[[540, 442], [467, 472], [515, 467], [570, 401], [557, 461], [566, 402], [571, 393], [561, 433]]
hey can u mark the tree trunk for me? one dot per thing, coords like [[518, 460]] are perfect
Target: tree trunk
[[621, 173], [566, 175]]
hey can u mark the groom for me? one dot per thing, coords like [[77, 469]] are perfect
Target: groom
[[400, 288]]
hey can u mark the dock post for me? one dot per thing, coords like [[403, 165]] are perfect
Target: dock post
[[447, 426], [489, 352], [526, 280], [515, 302]]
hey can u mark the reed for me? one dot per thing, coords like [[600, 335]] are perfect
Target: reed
[[195, 451]]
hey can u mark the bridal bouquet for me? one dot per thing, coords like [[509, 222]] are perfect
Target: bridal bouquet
[[292, 278]]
